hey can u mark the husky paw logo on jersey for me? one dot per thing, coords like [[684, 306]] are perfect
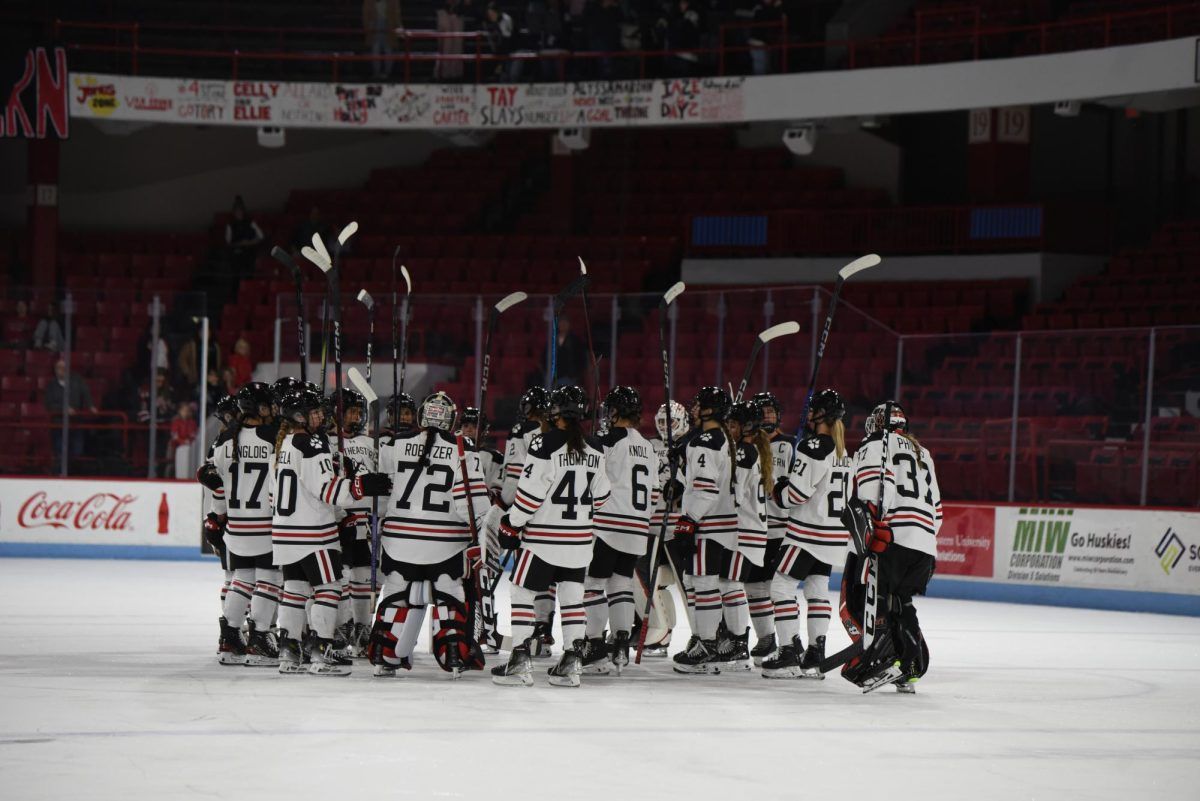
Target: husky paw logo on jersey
[[535, 444], [814, 444], [317, 440], [706, 437]]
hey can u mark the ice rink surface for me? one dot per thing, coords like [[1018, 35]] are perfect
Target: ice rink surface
[[109, 688]]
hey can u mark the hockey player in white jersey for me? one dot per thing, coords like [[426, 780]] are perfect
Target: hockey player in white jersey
[[304, 532], [904, 542], [758, 579], [401, 414], [562, 485], [709, 519], [354, 529], [622, 532], [243, 460], [425, 537], [814, 493], [491, 461], [213, 522], [662, 611]]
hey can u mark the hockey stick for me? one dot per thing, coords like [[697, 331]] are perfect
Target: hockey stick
[[474, 526], [857, 266], [404, 325], [560, 300], [587, 324], [774, 332], [364, 297], [669, 496], [364, 387], [395, 335], [283, 257], [319, 256]]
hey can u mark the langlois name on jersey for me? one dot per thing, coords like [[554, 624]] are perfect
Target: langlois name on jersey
[[255, 452]]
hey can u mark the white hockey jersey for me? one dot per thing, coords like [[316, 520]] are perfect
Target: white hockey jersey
[[360, 449], [815, 497], [632, 468], [427, 519], [514, 457], [491, 464], [912, 501], [664, 476], [557, 497], [707, 495], [781, 458], [307, 495], [246, 497], [751, 505]]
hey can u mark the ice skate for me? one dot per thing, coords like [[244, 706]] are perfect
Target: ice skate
[[566, 673], [386, 671], [886, 675], [593, 656], [542, 644], [233, 647], [733, 651], [291, 658], [325, 661], [358, 641], [810, 664], [764, 648], [620, 651], [784, 665], [699, 658], [906, 686], [261, 650], [517, 672]]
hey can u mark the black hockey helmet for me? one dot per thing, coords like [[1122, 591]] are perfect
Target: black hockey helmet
[[827, 407], [471, 417], [535, 401], [227, 409], [401, 400], [569, 402], [623, 402], [299, 403], [351, 399], [716, 400], [897, 420], [437, 411], [767, 400], [748, 413], [253, 397], [283, 386]]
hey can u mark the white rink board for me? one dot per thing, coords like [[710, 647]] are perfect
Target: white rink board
[[110, 690]]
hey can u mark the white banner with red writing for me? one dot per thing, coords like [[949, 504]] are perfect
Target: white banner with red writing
[[98, 512]]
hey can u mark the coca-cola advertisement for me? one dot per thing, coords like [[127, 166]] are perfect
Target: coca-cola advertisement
[[90, 512]]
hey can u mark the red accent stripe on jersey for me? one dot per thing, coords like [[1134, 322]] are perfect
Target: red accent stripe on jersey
[[608, 522], [832, 536], [522, 567], [789, 559], [565, 535], [303, 533]]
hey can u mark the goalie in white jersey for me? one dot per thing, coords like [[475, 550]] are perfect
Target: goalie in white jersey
[[904, 541], [304, 530], [622, 532], [425, 536], [562, 484], [814, 493], [354, 530]]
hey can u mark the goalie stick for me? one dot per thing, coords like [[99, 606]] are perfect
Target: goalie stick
[[774, 332], [283, 257], [669, 496]]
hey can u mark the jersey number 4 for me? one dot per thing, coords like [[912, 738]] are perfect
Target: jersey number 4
[[564, 494]]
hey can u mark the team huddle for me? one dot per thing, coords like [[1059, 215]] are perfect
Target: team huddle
[[336, 543]]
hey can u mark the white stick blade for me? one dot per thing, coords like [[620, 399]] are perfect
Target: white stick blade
[[508, 301], [364, 297], [674, 292], [316, 258], [350, 230], [319, 245], [407, 280], [781, 330], [858, 265], [360, 383], [582, 266]]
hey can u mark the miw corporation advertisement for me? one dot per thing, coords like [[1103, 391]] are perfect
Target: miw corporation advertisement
[[100, 512], [1146, 550]]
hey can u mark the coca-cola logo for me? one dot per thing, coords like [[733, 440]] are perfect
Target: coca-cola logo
[[103, 511]]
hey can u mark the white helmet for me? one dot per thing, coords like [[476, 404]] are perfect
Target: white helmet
[[679, 421], [898, 420], [437, 411]]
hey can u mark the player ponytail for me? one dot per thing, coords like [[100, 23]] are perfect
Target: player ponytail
[[916, 446], [838, 432], [430, 436], [285, 428], [235, 428], [574, 434], [762, 443]]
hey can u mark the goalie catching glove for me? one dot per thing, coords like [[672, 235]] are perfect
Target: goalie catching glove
[[370, 485]]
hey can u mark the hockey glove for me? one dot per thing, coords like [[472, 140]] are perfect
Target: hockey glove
[[777, 493], [214, 531], [685, 529], [370, 485], [881, 537], [210, 476], [509, 535], [344, 466], [347, 533]]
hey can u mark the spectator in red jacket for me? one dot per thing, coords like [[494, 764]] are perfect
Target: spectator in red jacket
[[240, 361]]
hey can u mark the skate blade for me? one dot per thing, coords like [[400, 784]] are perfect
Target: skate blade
[[230, 660], [782, 673], [292, 667], [384, 673], [330, 670], [513, 681], [597, 670], [736, 666], [906, 688], [658, 653], [815, 675], [888, 677], [563, 681], [262, 661], [697, 670]]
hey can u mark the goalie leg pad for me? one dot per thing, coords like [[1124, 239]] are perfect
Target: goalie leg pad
[[394, 633], [454, 645]]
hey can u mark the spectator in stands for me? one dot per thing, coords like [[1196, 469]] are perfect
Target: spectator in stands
[[602, 21], [449, 20], [18, 328], [544, 23], [70, 390], [164, 398], [498, 26], [765, 35], [315, 224], [183, 435], [243, 237], [381, 19], [572, 359], [214, 388], [187, 364], [49, 334], [683, 36], [240, 362], [229, 384]]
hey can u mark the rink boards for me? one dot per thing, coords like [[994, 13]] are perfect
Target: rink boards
[[1100, 557]]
